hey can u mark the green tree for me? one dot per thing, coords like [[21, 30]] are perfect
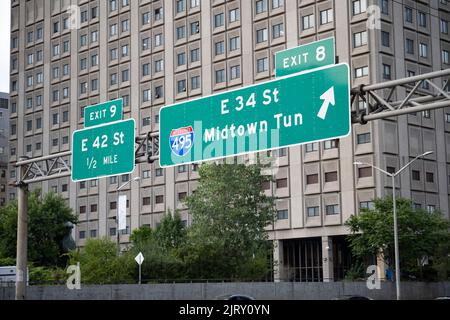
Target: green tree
[[227, 239], [100, 263], [47, 219], [420, 233], [160, 248]]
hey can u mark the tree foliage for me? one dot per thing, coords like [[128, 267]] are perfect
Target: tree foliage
[[230, 212], [101, 263], [47, 219], [420, 233]]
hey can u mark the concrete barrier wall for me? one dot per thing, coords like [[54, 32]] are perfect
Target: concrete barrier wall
[[210, 291]]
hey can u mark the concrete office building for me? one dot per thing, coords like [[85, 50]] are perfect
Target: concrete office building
[[4, 146], [154, 53]]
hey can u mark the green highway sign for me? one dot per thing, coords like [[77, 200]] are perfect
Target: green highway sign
[[306, 57], [103, 113], [102, 151], [304, 107]]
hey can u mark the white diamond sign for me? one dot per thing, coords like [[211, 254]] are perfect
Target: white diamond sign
[[139, 258]]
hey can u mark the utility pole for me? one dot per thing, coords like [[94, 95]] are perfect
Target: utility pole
[[22, 237]]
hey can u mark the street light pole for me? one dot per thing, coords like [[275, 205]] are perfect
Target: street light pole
[[396, 251], [394, 204]]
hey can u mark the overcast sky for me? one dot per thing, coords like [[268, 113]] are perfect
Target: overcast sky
[[5, 18]]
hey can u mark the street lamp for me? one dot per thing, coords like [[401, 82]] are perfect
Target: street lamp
[[117, 209], [393, 175]]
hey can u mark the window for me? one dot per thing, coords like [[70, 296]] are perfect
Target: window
[[195, 82], [385, 39], [180, 6], [331, 176], [113, 80], [146, 121], [159, 172], [219, 48], [219, 20], [158, 14], [146, 174], [415, 175], [82, 209], [83, 40], [261, 35], [195, 27], [385, 7], [409, 46], [359, 6], [261, 6], [220, 76], [422, 17], [390, 169], [125, 25], [93, 233], [429, 177], [361, 72], [447, 117], [326, 16], [82, 234], [332, 209], [313, 211], [431, 208], [145, 69], [146, 201], [364, 172], [426, 114], [182, 196], [311, 147], [158, 40], [159, 65], [56, 27], [146, 95], [112, 232], [125, 51], [94, 12], [445, 56], [234, 15], [82, 186], [94, 60], [312, 178], [423, 50], [182, 168], [146, 18], [113, 30], [66, 46], [282, 214], [181, 32], [159, 199], [277, 3], [367, 205], [363, 138], [181, 86], [181, 59], [359, 39], [235, 43], [113, 54], [195, 3], [125, 75], [235, 72], [386, 72], [159, 93], [331, 144], [308, 22], [408, 15], [282, 152], [145, 44], [195, 55], [262, 65], [444, 26], [277, 31], [282, 183]]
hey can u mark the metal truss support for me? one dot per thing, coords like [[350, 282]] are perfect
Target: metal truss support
[[381, 100]]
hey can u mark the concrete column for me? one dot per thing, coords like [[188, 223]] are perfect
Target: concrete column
[[327, 259], [278, 271]]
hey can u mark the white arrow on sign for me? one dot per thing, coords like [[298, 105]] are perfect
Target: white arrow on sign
[[139, 258], [328, 98]]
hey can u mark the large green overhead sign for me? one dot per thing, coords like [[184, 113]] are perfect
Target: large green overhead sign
[[301, 108], [104, 150], [309, 56]]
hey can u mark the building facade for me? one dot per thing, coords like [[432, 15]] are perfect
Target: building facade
[[4, 146], [66, 55]]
